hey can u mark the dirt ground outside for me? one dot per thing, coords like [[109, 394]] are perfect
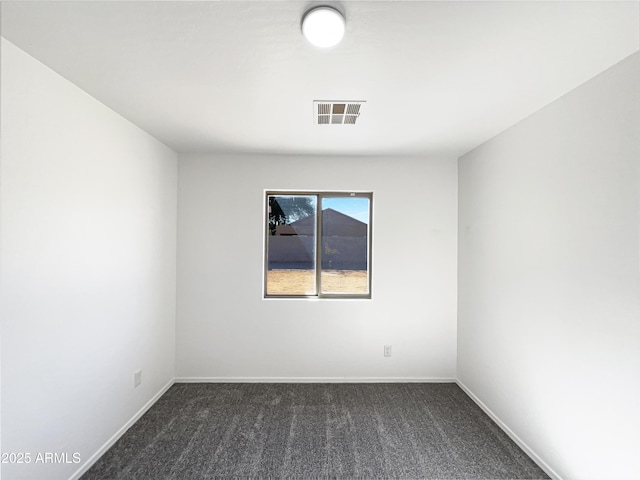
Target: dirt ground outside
[[301, 282]]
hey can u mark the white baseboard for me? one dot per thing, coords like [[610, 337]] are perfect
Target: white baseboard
[[534, 456], [109, 443], [314, 380]]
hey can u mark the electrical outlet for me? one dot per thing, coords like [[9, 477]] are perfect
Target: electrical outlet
[[137, 378], [387, 350]]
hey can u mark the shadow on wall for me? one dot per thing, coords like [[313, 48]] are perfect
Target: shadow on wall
[[344, 243], [296, 251]]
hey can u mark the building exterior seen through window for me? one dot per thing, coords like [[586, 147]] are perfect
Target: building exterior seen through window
[[318, 244]]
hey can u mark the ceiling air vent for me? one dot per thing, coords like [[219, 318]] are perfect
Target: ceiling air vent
[[334, 112]]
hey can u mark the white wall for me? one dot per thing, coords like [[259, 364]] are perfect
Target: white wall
[[226, 330], [549, 307], [87, 268]]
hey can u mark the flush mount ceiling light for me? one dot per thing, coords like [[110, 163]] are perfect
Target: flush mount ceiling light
[[323, 26]]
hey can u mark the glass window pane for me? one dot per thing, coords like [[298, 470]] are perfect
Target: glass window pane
[[291, 245], [345, 245]]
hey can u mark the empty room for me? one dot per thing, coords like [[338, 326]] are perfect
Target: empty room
[[354, 239]]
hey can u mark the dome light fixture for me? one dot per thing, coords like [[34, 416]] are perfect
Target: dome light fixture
[[323, 26]]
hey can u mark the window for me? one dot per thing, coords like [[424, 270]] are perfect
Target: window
[[318, 244]]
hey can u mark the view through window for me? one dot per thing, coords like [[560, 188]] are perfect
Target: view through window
[[318, 244]]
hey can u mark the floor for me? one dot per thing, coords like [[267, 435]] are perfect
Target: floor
[[203, 431]]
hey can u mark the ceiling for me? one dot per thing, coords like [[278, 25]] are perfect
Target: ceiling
[[238, 76]]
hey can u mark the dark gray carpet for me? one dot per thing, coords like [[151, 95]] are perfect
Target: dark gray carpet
[[202, 431]]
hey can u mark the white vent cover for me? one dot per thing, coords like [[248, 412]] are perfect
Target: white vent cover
[[336, 112]]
